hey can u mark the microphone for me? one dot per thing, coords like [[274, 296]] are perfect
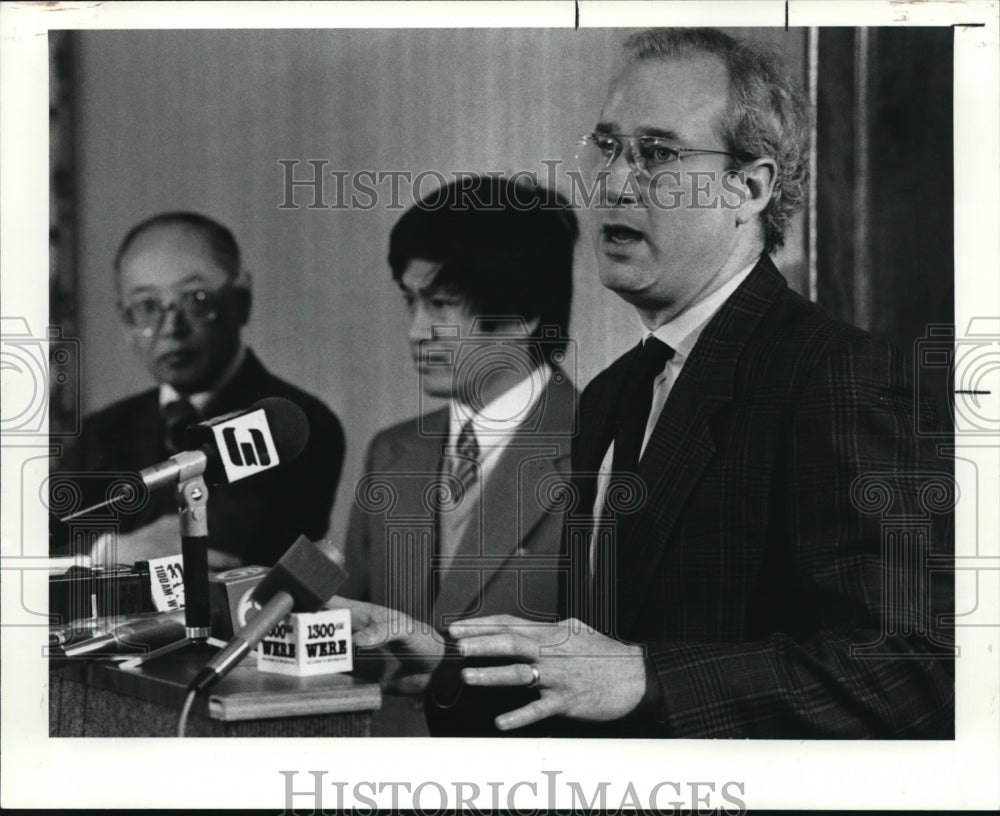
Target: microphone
[[230, 596], [228, 448], [305, 578], [150, 631]]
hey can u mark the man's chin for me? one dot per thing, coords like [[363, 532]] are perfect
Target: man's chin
[[437, 385], [626, 283], [184, 382], [438, 393], [620, 274]]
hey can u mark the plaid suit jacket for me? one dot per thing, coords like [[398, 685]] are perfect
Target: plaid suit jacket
[[786, 561]]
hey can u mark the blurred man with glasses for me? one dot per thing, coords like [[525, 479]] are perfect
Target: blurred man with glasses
[[737, 563], [183, 300]]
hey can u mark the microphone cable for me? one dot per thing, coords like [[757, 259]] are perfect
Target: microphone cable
[[185, 710]]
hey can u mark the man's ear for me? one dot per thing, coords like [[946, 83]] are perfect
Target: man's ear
[[758, 179]]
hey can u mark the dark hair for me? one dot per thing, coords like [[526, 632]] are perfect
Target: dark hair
[[506, 247], [220, 240], [767, 114]]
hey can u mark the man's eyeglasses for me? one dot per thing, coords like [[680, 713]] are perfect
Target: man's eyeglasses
[[199, 307], [646, 155]]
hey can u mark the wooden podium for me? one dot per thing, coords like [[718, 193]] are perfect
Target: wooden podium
[[96, 699]]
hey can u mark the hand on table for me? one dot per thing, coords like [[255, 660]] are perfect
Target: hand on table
[[416, 645], [580, 673]]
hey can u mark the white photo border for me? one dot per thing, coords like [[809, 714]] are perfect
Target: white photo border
[[70, 773]]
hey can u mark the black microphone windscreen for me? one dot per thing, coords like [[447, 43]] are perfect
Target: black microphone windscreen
[[288, 423], [307, 572]]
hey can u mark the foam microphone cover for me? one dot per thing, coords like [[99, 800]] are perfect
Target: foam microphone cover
[[310, 572], [288, 423]]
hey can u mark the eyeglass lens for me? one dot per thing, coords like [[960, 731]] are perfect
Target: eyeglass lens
[[197, 307], [647, 154]]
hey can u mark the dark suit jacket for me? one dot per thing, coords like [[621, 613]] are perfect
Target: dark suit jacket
[[256, 518], [789, 567], [507, 561]]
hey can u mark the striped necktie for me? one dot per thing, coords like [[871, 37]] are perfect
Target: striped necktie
[[462, 461]]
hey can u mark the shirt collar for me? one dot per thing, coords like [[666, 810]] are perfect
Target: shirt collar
[[200, 400], [682, 332], [505, 414]]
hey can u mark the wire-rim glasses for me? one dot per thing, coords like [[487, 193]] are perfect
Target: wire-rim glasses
[[646, 154]]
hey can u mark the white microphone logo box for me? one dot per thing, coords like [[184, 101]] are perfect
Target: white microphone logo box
[[308, 643], [245, 444]]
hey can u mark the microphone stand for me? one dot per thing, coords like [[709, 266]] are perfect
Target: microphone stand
[[192, 502]]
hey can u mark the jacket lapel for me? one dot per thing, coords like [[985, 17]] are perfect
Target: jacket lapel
[[681, 445], [419, 466], [144, 443], [411, 520], [597, 430], [501, 522]]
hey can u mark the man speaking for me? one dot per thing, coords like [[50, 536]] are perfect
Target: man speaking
[[183, 299], [733, 574]]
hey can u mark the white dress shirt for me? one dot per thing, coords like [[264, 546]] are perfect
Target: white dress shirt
[[494, 426]]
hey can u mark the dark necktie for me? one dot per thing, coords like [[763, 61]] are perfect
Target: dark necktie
[[632, 411], [631, 416], [177, 416]]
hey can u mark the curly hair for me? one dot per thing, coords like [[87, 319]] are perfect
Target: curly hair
[[767, 114]]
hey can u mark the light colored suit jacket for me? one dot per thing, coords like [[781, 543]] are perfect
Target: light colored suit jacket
[[507, 558]]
